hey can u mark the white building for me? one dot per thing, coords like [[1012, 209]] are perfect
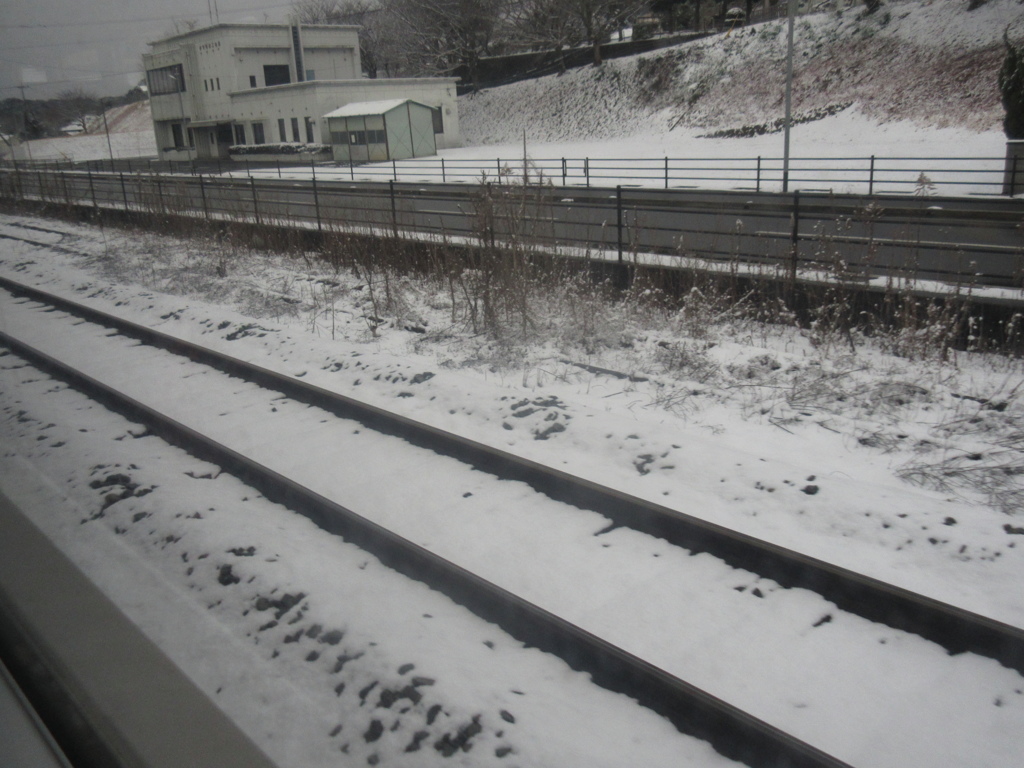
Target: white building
[[266, 83]]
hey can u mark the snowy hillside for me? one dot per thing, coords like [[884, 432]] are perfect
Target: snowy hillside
[[130, 135], [933, 63]]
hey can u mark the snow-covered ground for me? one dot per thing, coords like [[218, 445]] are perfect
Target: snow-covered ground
[[903, 467], [882, 455]]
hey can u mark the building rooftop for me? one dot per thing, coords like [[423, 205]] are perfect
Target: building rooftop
[[364, 108]]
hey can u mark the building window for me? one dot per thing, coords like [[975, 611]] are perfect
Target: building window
[[357, 137], [252, 81], [376, 137], [257, 133], [295, 129], [239, 134], [309, 131], [177, 136], [276, 74], [311, 74], [206, 85], [218, 83], [438, 119], [281, 130], [166, 80]]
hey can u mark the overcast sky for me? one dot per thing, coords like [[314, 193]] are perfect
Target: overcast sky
[[53, 45]]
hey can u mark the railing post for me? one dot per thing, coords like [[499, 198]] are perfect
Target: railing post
[[618, 218], [124, 192], [255, 200], [666, 173], [564, 170], [586, 169], [92, 190], [202, 194], [757, 186], [394, 209], [795, 237], [279, 168], [316, 198], [444, 175], [871, 177], [394, 170], [497, 162], [1013, 175], [160, 195]]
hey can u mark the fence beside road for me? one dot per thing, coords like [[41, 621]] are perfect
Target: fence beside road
[[922, 176]]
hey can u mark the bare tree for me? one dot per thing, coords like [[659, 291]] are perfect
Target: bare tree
[[78, 105], [600, 18], [444, 34], [380, 48], [547, 25]]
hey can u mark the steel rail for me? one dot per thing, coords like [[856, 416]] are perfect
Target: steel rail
[[955, 629], [732, 732]]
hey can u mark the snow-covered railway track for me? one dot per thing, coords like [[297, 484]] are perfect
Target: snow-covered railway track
[[729, 730], [953, 628], [709, 585]]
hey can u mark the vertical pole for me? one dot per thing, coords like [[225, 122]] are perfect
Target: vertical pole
[[795, 237], [202, 194], [279, 168], [160, 195], [1013, 175], [666, 173], [352, 170], [618, 218], [757, 187], [42, 185], [255, 200], [497, 162], [791, 10], [316, 199], [444, 175], [394, 210], [92, 190], [124, 192], [871, 177], [394, 170], [586, 169], [564, 169]]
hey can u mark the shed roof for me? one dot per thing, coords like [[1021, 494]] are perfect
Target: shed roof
[[365, 108]]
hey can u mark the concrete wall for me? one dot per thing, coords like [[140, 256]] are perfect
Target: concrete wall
[[315, 99]]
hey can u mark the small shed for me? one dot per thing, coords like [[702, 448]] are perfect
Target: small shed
[[374, 131]]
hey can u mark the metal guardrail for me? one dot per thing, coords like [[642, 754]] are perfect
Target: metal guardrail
[[846, 175], [965, 241]]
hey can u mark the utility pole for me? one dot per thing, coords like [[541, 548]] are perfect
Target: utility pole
[[106, 127], [791, 13]]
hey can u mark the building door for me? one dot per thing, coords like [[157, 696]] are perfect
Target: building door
[[225, 139]]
